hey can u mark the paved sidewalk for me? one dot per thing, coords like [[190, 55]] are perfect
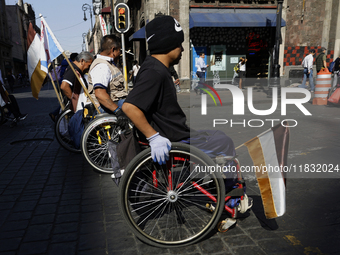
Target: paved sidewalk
[[52, 202]]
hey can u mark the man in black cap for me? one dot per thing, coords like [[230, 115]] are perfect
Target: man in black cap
[[320, 60], [152, 105]]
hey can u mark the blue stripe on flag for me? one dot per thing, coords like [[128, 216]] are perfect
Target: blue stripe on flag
[[44, 63], [53, 49]]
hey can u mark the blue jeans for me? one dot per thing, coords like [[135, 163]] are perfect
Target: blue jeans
[[305, 76]]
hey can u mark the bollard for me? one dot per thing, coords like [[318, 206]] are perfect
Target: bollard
[[322, 87]]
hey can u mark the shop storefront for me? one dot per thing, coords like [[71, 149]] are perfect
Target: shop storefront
[[225, 35]]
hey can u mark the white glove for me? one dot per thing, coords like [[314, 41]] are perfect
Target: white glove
[[160, 147]]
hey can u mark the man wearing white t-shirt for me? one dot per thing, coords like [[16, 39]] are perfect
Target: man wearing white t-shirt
[[106, 80], [307, 64]]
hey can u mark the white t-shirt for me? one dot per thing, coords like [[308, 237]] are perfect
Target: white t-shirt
[[135, 70], [101, 73], [242, 67]]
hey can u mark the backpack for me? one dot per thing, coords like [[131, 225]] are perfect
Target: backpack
[[237, 68], [331, 66]]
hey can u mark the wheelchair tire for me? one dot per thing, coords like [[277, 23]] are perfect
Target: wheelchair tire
[[61, 131], [94, 142], [164, 208]]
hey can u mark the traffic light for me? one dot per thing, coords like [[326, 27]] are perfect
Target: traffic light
[[122, 18]]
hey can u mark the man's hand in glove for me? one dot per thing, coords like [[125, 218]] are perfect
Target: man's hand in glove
[[160, 147], [122, 119]]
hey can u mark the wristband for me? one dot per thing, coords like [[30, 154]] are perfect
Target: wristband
[[116, 110]]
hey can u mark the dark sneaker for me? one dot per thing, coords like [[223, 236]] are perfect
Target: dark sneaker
[[23, 116]]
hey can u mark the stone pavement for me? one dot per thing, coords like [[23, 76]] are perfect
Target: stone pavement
[[52, 202]]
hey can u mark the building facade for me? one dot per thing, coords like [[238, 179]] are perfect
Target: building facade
[[311, 24], [6, 62], [228, 29], [18, 18]]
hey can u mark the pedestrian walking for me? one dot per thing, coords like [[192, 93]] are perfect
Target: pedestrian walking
[[242, 72], [307, 64], [320, 60], [134, 72], [201, 70], [236, 71]]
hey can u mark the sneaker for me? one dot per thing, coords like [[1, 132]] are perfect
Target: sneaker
[[23, 116]]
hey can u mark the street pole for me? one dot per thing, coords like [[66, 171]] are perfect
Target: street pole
[[278, 41], [124, 63], [86, 7]]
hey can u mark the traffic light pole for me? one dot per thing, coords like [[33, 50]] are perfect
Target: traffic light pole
[[122, 25], [124, 63]]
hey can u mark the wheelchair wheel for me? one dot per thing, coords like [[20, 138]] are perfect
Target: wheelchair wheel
[[96, 140], [165, 206], [61, 131]]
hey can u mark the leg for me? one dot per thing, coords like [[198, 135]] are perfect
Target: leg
[[311, 80], [303, 84], [14, 107], [335, 79]]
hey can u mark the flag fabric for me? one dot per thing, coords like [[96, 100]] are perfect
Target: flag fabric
[[269, 152], [35, 73], [51, 46], [41, 52]]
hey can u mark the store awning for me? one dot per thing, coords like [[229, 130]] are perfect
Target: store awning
[[140, 34], [233, 20]]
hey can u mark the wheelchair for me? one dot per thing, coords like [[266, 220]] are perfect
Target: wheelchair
[[61, 130], [179, 203], [99, 134]]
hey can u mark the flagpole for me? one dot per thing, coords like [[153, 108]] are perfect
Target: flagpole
[[84, 88], [56, 91], [239, 146]]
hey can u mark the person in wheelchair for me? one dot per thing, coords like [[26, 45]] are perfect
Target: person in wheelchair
[[70, 85], [10, 102], [106, 81], [152, 105]]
